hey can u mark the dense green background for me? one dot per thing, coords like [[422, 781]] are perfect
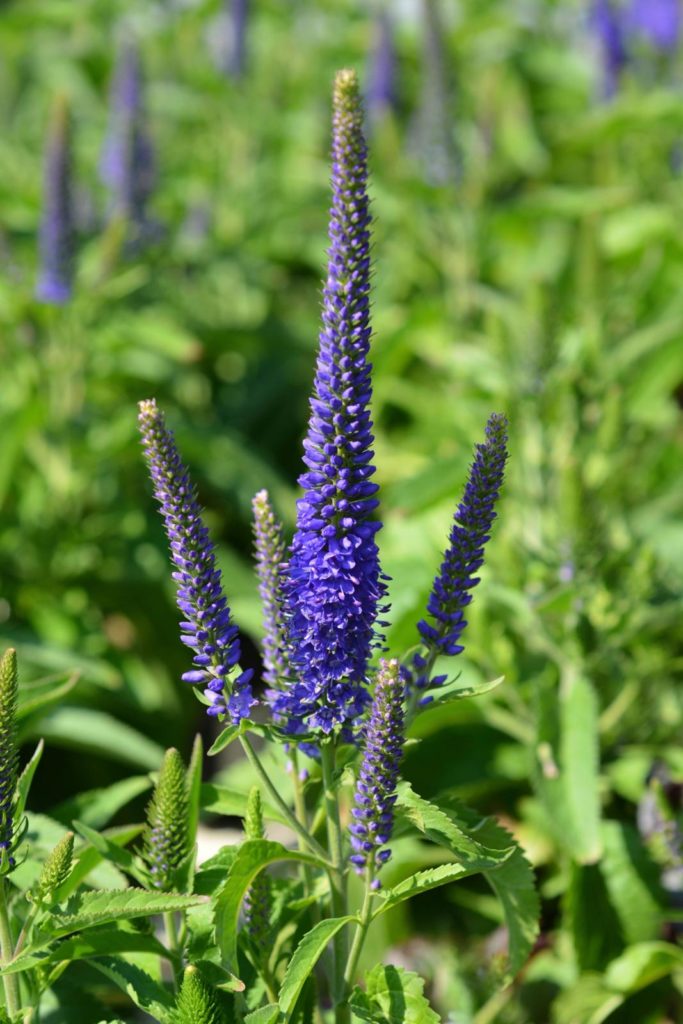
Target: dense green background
[[542, 278]]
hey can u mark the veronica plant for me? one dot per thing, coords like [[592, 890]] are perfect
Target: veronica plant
[[273, 931]]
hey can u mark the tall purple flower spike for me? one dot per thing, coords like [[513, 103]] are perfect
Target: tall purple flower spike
[[208, 629], [270, 555], [451, 591], [658, 21], [608, 23], [127, 165], [335, 587], [57, 224], [380, 95], [373, 810]]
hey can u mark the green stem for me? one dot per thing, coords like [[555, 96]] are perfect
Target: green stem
[[295, 825], [337, 878], [173, 944], [361, 932], [7, 953]]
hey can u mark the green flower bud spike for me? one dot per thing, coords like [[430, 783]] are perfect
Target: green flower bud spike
[[56, 870], [9, 757], [166, 843], [257, 900], [197, 1003]]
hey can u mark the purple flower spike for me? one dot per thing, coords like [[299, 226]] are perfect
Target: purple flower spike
[[381, 91], [608, 24], [451, 591], [373, 810], [207, 629], [270, 554], [237, 55], [334, 585], [127, 166], [658, 21], [57, 224]]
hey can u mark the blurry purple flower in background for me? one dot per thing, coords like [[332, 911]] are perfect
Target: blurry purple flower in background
[[127, 166], [658, 21], [57, 227], [380, 95], [607, 21], [433, 139], [228, 38]]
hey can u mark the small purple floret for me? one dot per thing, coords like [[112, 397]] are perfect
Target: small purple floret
[[208, 629]]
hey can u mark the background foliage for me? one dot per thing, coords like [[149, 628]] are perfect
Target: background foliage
[[537, 273]]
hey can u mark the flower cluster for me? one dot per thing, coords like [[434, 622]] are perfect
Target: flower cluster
[[57, 223], [166, 842], [208, 628], [270, 555], [451, 591], [373, 810], [334, 585]]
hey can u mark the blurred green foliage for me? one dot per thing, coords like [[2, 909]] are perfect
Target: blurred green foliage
[[543, 280]]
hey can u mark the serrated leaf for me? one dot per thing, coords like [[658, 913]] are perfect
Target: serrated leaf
[[264, 1015], [84, 947], [421, 881], [85, 910], [88, 857], [304, 959], [436, 824], [252, 857], [146, 993], [392, 996]]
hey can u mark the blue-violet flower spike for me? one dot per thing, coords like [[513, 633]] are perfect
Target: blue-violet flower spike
[[270, 555], [127, 165], [208, 629], [451, 591], [373, 810], [658, 21], [57, 224], [608, 23], [381, 91], [334, 586]]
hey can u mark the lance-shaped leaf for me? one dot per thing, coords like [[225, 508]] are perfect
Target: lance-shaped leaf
[[304, 959]]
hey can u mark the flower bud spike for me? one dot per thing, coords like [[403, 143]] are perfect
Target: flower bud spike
[[334, 584], [165, 842], [373, 813], [56, 870], [208, 628], [197, 1002], [451, 590], [270, 555], [257, 902], [9, 754]]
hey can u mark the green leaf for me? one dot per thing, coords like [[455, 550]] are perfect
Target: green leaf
[[421, 881], [112, 852], [194, 788], [100, 734], [304, 959], [95, 807], [146, 993], [567, 765], [440, 826], [252, 857], [84, 947], [632, 881], [88, 857], [448, 696], [224, 740], [40, 695], [642, 964], [221, 800], [264, 1015], [85, 910], [26, 778], [392, 996]]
